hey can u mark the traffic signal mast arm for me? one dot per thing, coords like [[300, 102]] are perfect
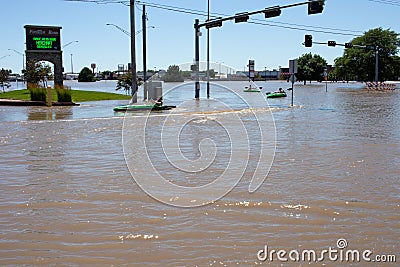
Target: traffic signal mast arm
[[269, 12], [308, 43]]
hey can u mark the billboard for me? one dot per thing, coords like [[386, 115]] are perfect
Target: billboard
[[43, 38]]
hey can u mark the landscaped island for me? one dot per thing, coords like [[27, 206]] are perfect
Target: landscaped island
[[77, 95]]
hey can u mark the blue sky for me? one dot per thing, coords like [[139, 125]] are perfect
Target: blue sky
[[172, 39]]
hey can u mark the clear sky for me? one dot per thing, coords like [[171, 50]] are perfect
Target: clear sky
[[172, 39]]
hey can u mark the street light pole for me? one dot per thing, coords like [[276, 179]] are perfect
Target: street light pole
[[133, 52], [72, 66], [23, 57]]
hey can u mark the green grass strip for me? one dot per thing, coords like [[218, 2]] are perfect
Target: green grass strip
[[77, 95]]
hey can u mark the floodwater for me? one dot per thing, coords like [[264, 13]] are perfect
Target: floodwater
[[70, 197]]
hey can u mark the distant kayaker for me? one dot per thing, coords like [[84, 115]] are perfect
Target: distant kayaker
[[281, 90]]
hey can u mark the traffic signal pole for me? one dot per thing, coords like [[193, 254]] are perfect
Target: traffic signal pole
[[308, 43], [314, 7]]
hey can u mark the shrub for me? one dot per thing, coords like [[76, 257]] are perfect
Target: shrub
[[38, 94], [64, 94]]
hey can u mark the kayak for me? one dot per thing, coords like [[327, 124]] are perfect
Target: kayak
[[252, 90], [142, 107], [276, 95]]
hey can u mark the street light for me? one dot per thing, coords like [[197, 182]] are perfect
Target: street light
[[125, 31], [119, 28], [23, 57], [4, 56], [64, 46], [133, 53]]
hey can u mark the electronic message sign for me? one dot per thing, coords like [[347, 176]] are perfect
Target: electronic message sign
[[43, 38]]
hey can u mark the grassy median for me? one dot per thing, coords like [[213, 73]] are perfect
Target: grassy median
[[77, 95]]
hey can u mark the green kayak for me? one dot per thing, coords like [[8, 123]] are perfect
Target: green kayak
[[142, 107], [276, 95]]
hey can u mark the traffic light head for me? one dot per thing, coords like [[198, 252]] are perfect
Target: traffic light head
[[241, 17], [348, 45], [331, 43], [213, 23], [308, 41], [272, 12], [315, 6]]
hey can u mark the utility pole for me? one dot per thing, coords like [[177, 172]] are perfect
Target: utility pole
[[144, 53], [133, 52], [197, 58], [208, 53]]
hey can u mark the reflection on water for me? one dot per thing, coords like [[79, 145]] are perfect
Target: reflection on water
[[67, 197], [53, 113]]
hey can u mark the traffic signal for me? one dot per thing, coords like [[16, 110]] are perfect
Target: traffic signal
[[348, 45], [272, 12], [331, 43], [315, 6], [241, 17], [214, 23], [308, 41]]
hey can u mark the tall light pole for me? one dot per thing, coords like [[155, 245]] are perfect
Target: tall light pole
[[72, 66], [133, 52], [23, 57]]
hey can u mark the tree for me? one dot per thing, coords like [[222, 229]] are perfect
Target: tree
[[86, 75], [125, 82], [310, 67], [173, 74], [37, 72], [359, 63], [4, 76]]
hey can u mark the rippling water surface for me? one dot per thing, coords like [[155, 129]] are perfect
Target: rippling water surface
[[67, 196]]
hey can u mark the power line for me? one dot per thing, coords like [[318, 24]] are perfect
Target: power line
[[386, 2], [291, 26], [285, 25]]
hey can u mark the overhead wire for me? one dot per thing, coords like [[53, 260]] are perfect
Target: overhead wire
[[285, 25]]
